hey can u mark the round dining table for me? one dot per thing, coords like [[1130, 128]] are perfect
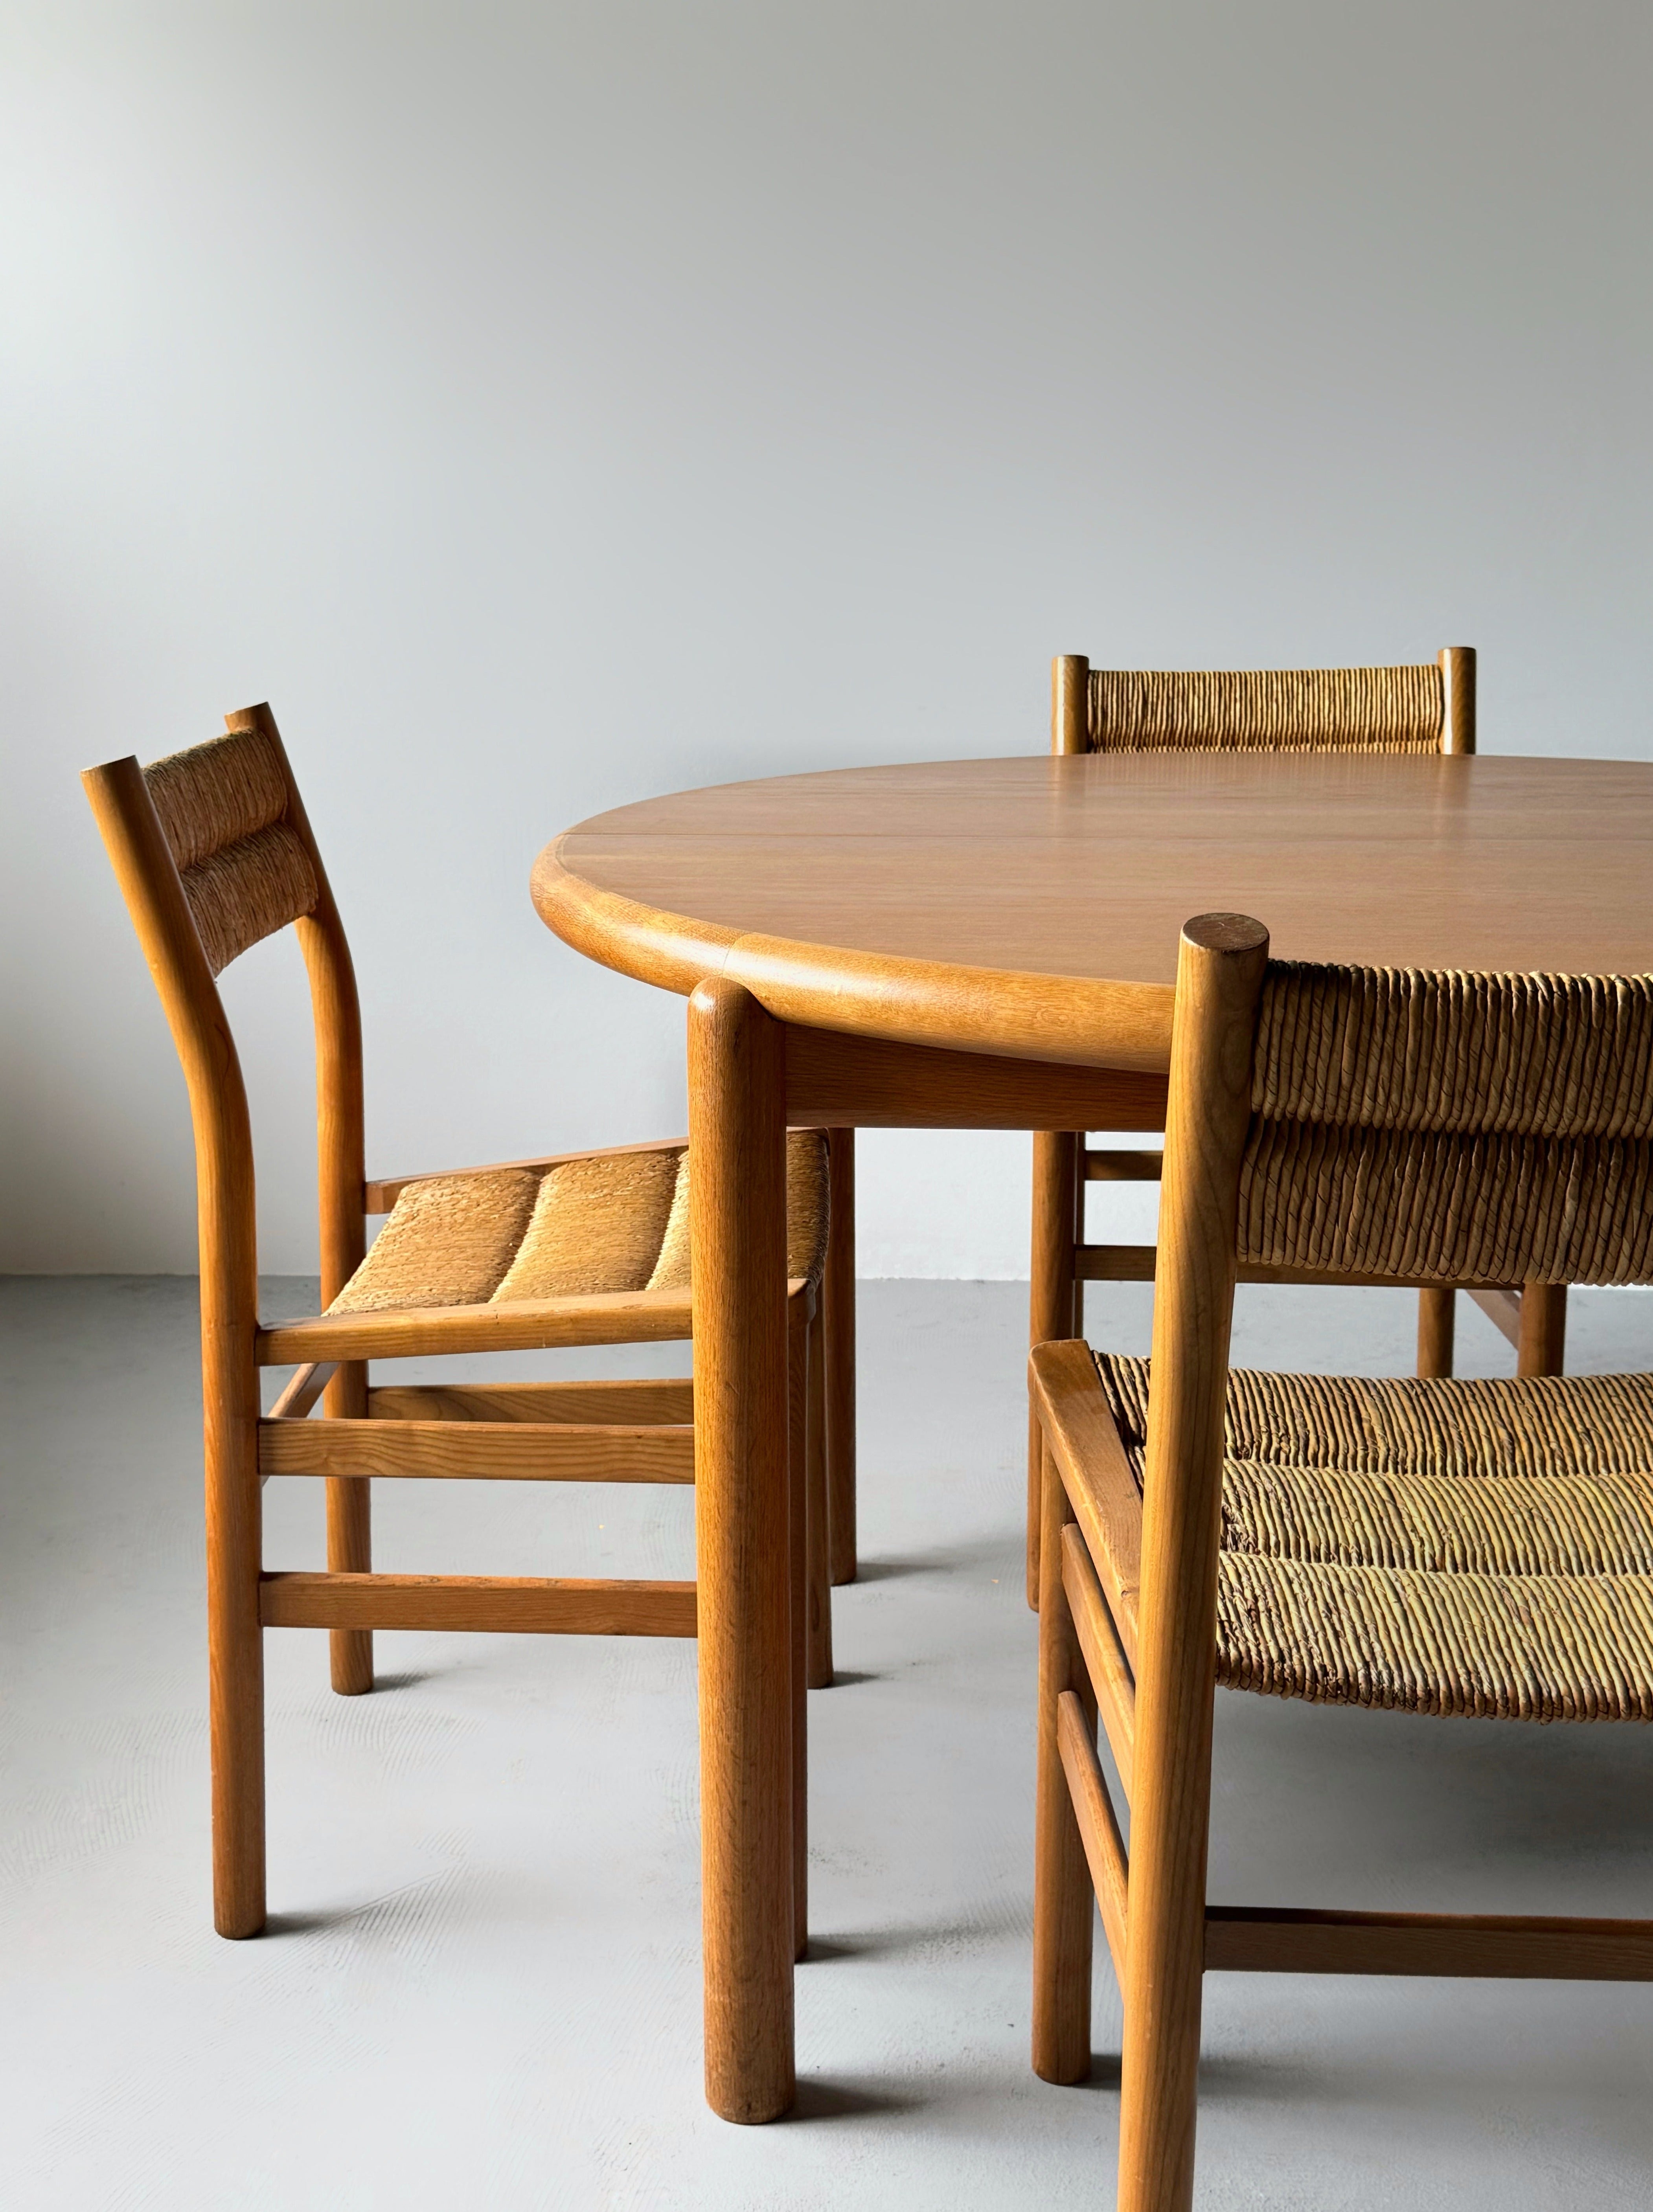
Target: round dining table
[[992, 944]]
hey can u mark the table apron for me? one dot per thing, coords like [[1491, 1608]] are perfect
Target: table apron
[[839, 1081]]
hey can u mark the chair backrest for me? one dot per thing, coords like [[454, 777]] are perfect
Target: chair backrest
[[1427, 1127], [1426, 708], [246, 871], [1469, 1128], [213, 852]]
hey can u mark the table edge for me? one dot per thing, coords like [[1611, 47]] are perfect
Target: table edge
[[1011, 1013]]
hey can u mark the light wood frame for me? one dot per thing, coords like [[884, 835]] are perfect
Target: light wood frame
[[1066, 1165], [585, 1431], [1127, 1632]]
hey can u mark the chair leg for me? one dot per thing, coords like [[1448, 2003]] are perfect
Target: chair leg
[[1064, 1904], [798, 1333], [1165, 1916], [234, 1636], [839, 1334], [1543, 1337], [1056, 1197], [1438, 1312], [817, 1512], [349, 1535]]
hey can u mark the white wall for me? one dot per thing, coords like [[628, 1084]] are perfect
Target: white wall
[[547, 406]]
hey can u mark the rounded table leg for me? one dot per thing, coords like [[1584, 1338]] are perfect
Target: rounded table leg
[[736, 1135]]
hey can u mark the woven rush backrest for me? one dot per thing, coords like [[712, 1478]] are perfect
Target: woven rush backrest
[[1456, 1128], [1372, 710], [223, 808]]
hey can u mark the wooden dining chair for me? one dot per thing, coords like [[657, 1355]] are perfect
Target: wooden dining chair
[[1425, 1546], [213, 852], [1426, 707]]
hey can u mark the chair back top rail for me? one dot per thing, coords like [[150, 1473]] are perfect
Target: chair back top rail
[[1414, 709]]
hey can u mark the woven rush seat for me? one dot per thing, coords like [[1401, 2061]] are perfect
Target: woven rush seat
[[1479, 1549], [614, 1222]]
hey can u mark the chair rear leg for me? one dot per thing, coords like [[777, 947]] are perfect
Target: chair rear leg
[[1165, 1916], [818, 1510], [798, 1336], [1543, 1333], [1064, 1903], [1436, 1327], [234, 1636], [349, 1536], [838, 1293], [1056, 1197]]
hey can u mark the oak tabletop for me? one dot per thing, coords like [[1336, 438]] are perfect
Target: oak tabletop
[[1032, 905]]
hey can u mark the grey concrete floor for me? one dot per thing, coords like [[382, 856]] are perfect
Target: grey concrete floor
[[480, 1983]]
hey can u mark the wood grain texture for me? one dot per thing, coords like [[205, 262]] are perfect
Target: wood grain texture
[[301, 1391], [877, 1084], [1270, 1942], [1104, 1848], [1220, 977], [838, 1352], [479, 1604], [1502, 1309], [994, 1010], [1103, 1164], [738, 1195], [1032, 905], [492, 1451], [1096, 1474], [1105, 1663], [523, 1325], [669, 1400], [1135, 1263]]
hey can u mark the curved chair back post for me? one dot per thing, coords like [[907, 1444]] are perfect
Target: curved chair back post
[[1457, 667], [1070, 703], [335, 1008], [151, 886], [167, 929]]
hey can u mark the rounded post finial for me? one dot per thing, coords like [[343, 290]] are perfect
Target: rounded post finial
[[1225, 933]]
